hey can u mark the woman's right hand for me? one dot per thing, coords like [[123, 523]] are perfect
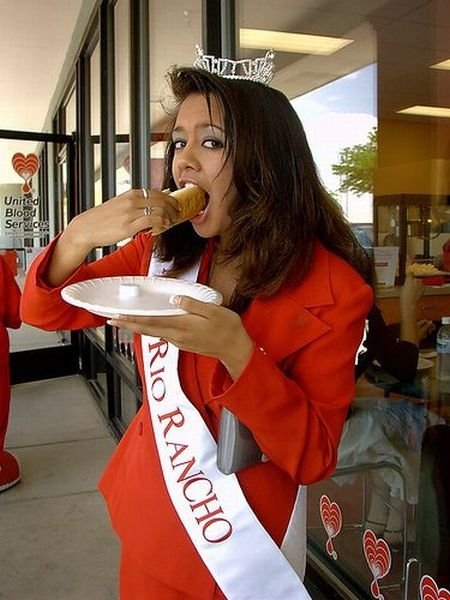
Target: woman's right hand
[[114, 220], [121, 217], [424, 328]]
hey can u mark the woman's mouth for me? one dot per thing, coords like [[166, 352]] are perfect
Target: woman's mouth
[[201, 216]]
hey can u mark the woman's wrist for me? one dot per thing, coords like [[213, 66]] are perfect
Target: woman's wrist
[[67, 256], [237, 359], [75, 241]]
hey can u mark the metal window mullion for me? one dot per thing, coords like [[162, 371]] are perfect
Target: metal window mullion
[[108, 160], [85, 149], [43, 183], [228, 28], [211, 27], [140, 127], [107, 101], [34, 136], [71, 189], [219, 28]]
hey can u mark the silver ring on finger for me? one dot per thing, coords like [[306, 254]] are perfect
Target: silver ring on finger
[[148, 210]]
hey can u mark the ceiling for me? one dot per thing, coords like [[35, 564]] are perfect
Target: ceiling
[[39, 41], [36, 39]]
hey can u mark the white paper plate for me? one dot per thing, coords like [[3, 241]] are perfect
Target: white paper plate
[[135, 295]]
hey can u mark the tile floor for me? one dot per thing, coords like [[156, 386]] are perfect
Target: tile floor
[[56, 542]]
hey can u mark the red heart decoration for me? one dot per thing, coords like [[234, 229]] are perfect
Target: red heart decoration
[[430, 591], [378, 557], [26, 167], [331, 516]]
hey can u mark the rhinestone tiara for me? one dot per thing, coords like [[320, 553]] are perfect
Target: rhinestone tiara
[[260, 69]]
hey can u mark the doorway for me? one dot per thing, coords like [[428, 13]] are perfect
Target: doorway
[[37, 200]]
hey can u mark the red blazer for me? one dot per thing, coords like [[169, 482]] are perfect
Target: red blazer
[[294, 394]]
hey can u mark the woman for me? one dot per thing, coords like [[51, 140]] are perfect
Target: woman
[[396, 347], [279, 353], [389, 430], [9, 317]]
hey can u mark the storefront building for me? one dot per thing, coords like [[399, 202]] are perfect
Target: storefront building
[[371, 83]]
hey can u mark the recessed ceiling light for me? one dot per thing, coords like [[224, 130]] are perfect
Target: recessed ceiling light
[[444, 65], [263, 39], [426, 111]]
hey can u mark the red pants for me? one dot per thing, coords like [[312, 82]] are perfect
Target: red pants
[[135, 584]]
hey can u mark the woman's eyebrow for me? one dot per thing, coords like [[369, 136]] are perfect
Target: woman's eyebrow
[[200, 126]]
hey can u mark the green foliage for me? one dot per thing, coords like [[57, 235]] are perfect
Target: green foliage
[[357, 166]]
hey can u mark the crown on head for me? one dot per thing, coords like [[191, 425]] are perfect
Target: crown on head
[[260, 69]]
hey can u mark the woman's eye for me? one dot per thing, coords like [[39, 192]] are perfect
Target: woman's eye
[[177, 144], [213, 143]]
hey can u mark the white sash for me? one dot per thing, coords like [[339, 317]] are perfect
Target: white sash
[[240, 555]]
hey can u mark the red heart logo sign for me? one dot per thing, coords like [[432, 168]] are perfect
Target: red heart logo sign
[[331, 516], [26, 167], [378, 557], [430, 591]]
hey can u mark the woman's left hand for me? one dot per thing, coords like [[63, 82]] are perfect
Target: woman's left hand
[[205, 329]]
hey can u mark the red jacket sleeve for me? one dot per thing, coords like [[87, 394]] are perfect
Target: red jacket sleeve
[[296, 407]]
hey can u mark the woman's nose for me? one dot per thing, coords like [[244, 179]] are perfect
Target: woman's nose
[[187, 157]]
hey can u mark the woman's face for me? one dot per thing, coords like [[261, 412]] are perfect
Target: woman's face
[[199, 158]]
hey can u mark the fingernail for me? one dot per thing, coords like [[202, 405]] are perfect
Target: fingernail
[[113, 320], [175, 300]]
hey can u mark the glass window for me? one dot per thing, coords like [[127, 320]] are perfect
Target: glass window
[[94, 368], [129, 403], [184, 18], [27, 219], [367, 86], [95, 123], [70, 114], [21, 204], [96, 141], [122, 65], [371, 88], [327, 65]]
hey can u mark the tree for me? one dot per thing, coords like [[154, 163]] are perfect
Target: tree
[[357, 166]]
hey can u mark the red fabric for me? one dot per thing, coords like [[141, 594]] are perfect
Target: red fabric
[[294, 394], [136, 584], [9, 317], [10, 257]]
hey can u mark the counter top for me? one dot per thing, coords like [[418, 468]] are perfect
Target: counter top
[[429, 290]]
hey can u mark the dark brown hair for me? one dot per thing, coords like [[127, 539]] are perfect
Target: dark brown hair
[[281, 208]]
